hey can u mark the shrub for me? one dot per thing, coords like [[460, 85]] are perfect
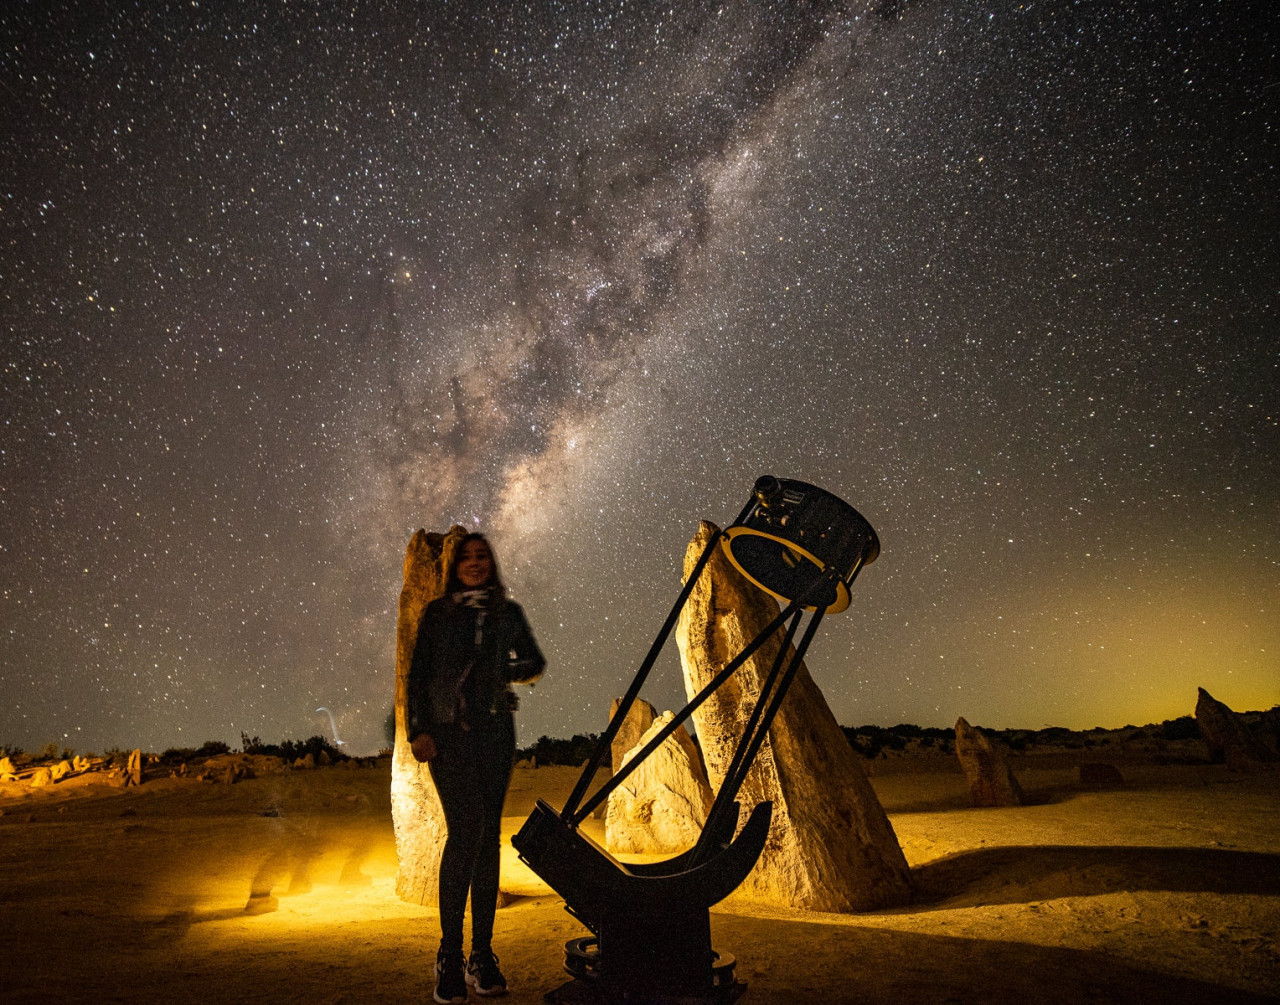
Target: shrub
[[573, 751], [870, 741], [174, 755], [1183, 728], [291, 750]]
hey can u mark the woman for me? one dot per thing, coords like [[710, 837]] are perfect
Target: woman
[[473, 643]]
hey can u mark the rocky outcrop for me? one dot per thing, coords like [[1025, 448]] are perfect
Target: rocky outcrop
[[1228, 736], [991, 783], [830, 847], [639, 718], [661, 806], [133, 770], [415, 808]]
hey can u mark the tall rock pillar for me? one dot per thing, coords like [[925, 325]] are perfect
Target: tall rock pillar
[[415, 808], [830, 847]]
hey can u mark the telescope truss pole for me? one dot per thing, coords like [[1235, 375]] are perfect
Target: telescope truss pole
[[605, 742], [575, 817]]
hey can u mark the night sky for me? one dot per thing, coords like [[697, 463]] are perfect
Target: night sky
[[282, 282]]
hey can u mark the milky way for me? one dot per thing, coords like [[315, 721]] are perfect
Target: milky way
[[283, 283]]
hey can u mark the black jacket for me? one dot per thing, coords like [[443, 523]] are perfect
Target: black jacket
[[452, 679]]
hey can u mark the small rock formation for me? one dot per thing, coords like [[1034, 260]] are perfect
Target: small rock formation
[[8, 772], [41, 778], [305, 763], [133, 770], [991, 783], [60, 770], [415, 807], [830, 847], [80, 763], [1101, 775], [236, 773], [661, 806], [1229, 737], [639, 718]]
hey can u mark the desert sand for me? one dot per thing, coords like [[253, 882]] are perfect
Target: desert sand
[[1164, 890]]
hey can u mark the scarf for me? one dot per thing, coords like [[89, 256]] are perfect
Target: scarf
[[473, 598]]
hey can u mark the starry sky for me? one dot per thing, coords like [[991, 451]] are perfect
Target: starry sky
[[281, 282]]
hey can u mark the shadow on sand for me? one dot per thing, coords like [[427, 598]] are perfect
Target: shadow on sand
[[784, 964], [1018, 874]]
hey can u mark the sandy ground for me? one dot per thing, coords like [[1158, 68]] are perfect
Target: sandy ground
[[1167, 890]]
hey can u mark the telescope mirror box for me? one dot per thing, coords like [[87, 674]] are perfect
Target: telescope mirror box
[[794, 532]]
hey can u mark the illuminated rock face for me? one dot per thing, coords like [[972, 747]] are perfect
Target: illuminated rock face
[[1228, 736], [662, 805], [133, 771], [415, 808], [639, 718], [831, 847], [991, 783]]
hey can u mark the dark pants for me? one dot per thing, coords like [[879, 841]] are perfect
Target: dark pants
[[472, 770]]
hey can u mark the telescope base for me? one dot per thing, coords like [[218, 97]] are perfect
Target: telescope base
[[591, 985]]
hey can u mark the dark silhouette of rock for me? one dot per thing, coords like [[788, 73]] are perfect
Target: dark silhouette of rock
[[415, 807], [991, 783], [830, 847], [1229, 737], [1100, 775]]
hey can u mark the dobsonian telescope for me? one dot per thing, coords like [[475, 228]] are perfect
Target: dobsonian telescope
[[650, 923]]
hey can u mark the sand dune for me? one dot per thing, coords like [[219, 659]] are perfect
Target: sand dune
[[1167, 889]]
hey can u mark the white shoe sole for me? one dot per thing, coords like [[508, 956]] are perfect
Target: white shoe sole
[[497, 992]]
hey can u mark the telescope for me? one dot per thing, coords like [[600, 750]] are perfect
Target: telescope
[[650, 925]]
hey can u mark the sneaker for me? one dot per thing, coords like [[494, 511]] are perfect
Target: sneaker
[[483, 975], [451, 978]]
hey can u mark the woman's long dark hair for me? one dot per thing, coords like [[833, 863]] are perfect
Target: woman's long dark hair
[[497, 589]]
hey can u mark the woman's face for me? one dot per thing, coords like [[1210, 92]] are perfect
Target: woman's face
[[475, 565]]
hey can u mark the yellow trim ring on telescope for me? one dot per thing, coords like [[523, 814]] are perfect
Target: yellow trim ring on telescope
[[842, 588]]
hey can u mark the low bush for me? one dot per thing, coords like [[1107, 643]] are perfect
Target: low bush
[[573, 751], [291, 750]]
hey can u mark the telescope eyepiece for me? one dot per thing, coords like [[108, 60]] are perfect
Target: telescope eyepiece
[[767, 490]]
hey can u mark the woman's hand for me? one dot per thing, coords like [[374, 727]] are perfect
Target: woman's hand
[[424, 748]]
